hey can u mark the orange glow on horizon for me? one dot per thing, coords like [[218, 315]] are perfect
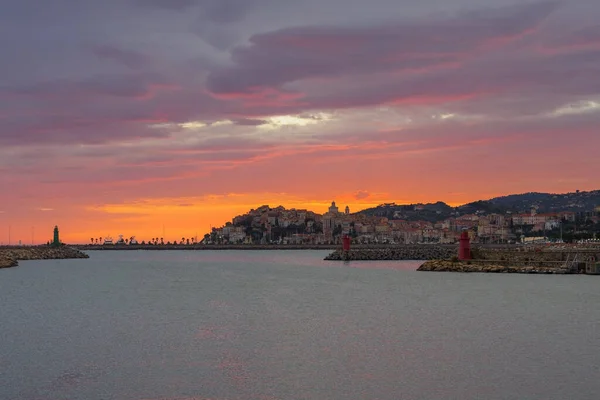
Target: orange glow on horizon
[[170, 218]]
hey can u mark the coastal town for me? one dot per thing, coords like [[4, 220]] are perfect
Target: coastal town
[[569, 238], [530, 218], [278, 225]]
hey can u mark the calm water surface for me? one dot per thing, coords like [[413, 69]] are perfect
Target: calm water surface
[[285, 325]]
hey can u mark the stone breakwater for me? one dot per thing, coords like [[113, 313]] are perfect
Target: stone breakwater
[[9, 256], [6, 262], [474, 266], [408, 252]]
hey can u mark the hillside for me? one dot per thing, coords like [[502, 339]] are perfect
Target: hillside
[[412, 212], [549, 202], [283, 221], [515, 203]]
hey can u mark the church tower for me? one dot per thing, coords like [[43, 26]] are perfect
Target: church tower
[[333, 209]]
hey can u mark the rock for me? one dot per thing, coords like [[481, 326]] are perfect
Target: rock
[[6, 262], [474, 266], [10, 255]]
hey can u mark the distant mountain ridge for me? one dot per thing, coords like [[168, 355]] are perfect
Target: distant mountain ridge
[[514, 203]]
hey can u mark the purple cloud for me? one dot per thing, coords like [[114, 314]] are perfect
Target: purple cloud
[[249, 122], [504, 62], [129, 58], [292, 54]]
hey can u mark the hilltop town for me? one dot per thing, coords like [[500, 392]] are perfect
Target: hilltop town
[[530, 217]]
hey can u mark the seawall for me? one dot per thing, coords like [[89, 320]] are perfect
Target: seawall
[[88, 247], [538, 255], [492, 267], [498, 259], [9, 256], [404, 252]]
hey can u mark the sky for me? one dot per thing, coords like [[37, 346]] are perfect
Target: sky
[[166, 117]]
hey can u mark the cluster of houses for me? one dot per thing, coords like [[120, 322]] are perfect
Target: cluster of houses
[[277, 225]]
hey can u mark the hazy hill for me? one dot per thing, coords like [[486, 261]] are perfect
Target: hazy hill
[[548, 202], [515, 203]]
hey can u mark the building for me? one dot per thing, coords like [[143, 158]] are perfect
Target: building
[[333, 208]]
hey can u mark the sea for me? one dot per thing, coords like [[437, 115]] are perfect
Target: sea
[[286, 325]]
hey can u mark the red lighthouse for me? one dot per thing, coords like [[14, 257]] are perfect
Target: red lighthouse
[[464, 250], [346, 243]]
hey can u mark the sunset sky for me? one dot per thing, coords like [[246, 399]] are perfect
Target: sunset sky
[[124, 116]]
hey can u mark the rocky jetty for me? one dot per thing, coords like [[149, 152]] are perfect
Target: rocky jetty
[[407, 252], [474, 266], [10, 255], [6, 262]]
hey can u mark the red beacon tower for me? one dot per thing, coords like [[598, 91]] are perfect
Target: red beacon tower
[[346, 243], [464, 250]]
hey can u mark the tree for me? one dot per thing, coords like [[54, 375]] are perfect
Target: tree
[[92, 239], [162, 241], [337, 230], [187, 242]]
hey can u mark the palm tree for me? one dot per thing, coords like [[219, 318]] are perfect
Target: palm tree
[[92, 239], [162, 241]]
